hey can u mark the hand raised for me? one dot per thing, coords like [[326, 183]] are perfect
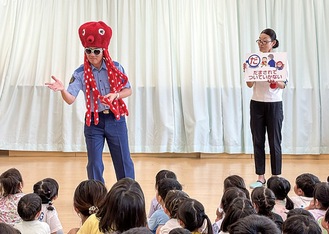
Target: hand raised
[[55, 86]]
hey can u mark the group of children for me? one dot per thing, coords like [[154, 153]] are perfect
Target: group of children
[[305, 212], [27, 213], [267, 209]]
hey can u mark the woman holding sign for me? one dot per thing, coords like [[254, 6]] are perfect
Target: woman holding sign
[[266, 114]]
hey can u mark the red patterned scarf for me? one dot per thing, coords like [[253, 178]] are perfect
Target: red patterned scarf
[[117, 81]]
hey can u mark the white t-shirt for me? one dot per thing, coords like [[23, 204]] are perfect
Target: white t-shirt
[[169, 225], [262, 92], [51, 218], [317, 214], [33, 227], [301, 202]]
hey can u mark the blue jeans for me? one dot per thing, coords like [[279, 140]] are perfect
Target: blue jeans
[[116, 135]]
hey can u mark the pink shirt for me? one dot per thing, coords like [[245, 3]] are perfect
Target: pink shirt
[[8, 208]]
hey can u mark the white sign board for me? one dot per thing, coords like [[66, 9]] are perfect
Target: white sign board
[[265, 66]]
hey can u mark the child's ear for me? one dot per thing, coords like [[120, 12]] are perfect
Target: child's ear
[[317, 204], [157, 196], [166, 210], [181, 223], [76, 210], [161, 201], [37, 215], [300, 192]]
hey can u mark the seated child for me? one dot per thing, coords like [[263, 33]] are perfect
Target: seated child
[[229, 195], [172, 201], [8, 229], [47, 189], [29, 209], [236, 181], [122, 209], [159, 217], [320, 203], [179, 230], [300, 224], [304, 189], [87, 199], [263, 200], [11, 184], [138, 230], [281, 188], [240, 207], [192, 216], [299, 211], [254, 224], [159, 176]]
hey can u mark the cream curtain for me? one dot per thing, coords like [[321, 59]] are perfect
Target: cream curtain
[[183, 59]]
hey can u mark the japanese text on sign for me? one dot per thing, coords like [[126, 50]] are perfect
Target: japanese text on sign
[[265, 66]]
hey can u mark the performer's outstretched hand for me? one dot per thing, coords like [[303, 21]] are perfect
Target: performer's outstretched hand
[[56, 86]]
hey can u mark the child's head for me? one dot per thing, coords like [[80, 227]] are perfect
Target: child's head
[[138, 230], [263, 200], [300, 224], [281, 188], [47, 189], [123, 207], [29, 207], [229, 195], [321, 196], [179, 231], [172, 201], [236, 181], [8, 229], [305, 184], [11, 182], [192, 216], [88, 197], [164, 186], [299, 211], [240, 207], [164, 174], [254, 224]]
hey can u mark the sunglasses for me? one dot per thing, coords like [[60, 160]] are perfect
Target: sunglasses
[[96, 51]]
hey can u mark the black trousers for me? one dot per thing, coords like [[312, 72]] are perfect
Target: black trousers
[[266, 117]]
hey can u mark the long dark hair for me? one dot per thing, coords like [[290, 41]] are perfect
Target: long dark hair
[[236, 181], [281, 188], [88, 197], [264, 199], [11, 182], [191, 212], [123, 207]]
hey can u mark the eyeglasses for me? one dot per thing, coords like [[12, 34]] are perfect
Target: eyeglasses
[[262, 42], [96, 51]]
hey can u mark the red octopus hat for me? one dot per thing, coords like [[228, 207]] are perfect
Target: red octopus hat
[[98, 35]]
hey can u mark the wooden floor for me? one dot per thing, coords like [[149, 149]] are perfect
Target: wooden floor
[[202, 178]]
